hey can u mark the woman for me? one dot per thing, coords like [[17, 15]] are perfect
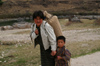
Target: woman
[[43, 34]]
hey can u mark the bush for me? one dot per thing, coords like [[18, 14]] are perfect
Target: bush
[[14, 15], [97, 22], [1, 2]]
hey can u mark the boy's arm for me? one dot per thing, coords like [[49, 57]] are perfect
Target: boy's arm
[[51, 36], [67, 55]]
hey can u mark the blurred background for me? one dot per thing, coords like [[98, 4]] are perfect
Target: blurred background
[[79, 19]]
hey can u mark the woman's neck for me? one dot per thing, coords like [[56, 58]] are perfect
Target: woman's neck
[[37, 25]]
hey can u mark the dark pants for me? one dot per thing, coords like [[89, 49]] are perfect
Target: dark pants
[[46, 58]]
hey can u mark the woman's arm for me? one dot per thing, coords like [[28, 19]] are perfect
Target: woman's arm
[[33, 33], [51, 36]]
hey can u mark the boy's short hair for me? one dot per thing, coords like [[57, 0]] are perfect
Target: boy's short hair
[[38, 14], [61, 38]]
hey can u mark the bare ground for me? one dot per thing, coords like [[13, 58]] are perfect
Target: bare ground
[[87, 60], [71, 35]]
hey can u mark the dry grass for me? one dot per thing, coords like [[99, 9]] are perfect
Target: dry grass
[[85, 25], [97, 22], [26, 55], [83, 47], [20, 55]]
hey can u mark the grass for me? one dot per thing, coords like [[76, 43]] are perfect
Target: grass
[[11, 22], [83, 47], [77, 26], [21, 55], [8, 22], [26, 55]]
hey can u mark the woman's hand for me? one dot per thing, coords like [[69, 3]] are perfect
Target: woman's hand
[[53, 53], [36, 32]]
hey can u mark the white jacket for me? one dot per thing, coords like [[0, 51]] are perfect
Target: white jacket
[[47, 35]]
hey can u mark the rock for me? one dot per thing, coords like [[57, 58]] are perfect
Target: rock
[[22, 25], [8, 27], [20, 19], [75, 19]]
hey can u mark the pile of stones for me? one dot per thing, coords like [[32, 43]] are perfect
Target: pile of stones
[[19, 25]]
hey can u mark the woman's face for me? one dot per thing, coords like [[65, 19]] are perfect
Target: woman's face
[[38, 21]]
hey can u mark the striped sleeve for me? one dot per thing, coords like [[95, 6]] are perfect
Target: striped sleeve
[[67, 55]]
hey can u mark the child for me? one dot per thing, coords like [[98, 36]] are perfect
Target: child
[[63, 55]]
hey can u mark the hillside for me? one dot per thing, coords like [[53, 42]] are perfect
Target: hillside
[[12, 7]]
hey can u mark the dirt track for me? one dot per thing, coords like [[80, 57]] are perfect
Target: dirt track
[[87, 60], [82, 35], [71, 35]]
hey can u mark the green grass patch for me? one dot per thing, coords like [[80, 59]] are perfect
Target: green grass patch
[[82, 54], [11, 22], [21, 61], [8, 22], [24, 54]]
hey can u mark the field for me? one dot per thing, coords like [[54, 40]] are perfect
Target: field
[[16, 48]]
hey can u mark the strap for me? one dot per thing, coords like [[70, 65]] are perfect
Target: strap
[[50, 17], [32, 32], [44, 26]]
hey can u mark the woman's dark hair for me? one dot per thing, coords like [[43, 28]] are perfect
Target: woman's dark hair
[[38, 14], [61, 38]]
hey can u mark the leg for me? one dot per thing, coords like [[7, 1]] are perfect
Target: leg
[[46, 58]]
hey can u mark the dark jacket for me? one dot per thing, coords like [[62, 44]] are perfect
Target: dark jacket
[[65, 54]]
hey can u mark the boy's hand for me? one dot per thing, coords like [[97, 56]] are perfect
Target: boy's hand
[[59, 57], [36, 32], [53, 53]]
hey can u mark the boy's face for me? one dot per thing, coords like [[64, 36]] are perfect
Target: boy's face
[[60, 43], [38, 21]]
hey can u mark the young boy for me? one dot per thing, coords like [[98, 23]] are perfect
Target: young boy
[[63, 55]]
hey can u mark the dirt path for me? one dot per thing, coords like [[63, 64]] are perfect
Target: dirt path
[[87, 60], [71, 35], [82, 35]]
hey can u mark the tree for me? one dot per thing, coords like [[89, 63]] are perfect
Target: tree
[[1, 2]]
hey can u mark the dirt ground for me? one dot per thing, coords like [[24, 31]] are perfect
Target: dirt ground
[[87, 60], [71, 35]]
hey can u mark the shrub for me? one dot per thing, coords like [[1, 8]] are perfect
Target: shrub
[[1, 2], [97, 22]]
